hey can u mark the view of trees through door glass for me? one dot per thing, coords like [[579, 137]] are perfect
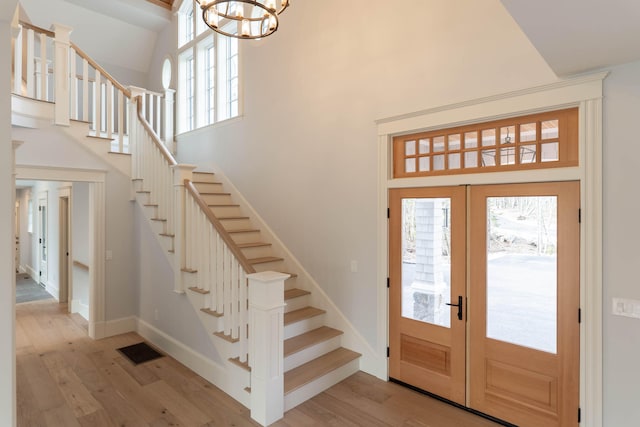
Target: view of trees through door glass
[[426, 263], [522, 271]]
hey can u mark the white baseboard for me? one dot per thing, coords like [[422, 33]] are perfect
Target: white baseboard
[[53, 290], [195, 361], [78, 307], [99, 330], [21, 269], [31, 272]]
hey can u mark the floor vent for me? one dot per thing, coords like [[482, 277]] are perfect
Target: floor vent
[[139, 353]]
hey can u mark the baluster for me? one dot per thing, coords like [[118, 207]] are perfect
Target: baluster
[[227, 290], [150, 115], [31, 62], [97, 101], [121, 115], [44, 71], [109, 109], [235, 327], [158, 126], [188, 231], [86, 109], [73, 85], [219, 275], [211, 264], [244, 317], [17, 62]]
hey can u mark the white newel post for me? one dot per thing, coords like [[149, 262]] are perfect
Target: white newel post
[[266, 340], [134, 143], [61, 73], [180, 173], [169, 117]]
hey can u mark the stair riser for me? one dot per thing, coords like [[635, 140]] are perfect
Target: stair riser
[[313, 352], [158, 227], [167, 243], [270, 266], [296, 303], [217, 199], [235, 224], [225, 210], [307, 391], [306, 325], [208, 187], [203, 177]]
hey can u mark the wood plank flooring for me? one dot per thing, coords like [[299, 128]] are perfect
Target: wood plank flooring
[[65, 379]]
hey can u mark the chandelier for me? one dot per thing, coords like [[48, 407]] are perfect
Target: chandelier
[[243, 19]]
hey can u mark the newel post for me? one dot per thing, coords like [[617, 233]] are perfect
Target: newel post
[[266, 340], [61, 73], [169, 119], [180, 174], [135, 146]]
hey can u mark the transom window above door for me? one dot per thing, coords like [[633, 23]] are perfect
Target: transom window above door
[[537, 141]]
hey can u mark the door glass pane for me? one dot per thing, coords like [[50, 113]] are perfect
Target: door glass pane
[[426, 265], [521, 271]]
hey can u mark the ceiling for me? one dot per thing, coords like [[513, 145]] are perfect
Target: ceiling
[[575, 36]]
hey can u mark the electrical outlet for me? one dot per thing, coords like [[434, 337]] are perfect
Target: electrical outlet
[[626, 307]]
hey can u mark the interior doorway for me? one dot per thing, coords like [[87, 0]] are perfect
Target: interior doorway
[[64, 250], [43, 240], [484, 297]]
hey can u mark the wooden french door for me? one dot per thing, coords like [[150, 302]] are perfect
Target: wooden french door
[[427, 272], [516, 249]]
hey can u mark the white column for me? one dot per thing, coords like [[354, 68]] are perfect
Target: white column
[[134, 143], [266, 338], [180, 173], [61, 73], [17, 59], [97, 257], [169, 119]]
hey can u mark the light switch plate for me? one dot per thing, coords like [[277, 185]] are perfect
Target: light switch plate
[[626, 307]]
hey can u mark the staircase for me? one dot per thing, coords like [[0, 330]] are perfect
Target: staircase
[[313, 356], [214, 241]]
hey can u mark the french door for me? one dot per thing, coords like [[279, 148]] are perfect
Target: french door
[[484, 297]]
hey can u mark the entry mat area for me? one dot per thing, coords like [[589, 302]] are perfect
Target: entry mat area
[[139, 353]]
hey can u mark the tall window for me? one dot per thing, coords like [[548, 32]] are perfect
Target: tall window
[[208, 72]]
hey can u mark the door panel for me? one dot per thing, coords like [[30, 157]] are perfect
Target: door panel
[[524, 301], [427, 272], [43, 240]]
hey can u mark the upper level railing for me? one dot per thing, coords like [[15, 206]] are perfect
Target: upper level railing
[[49, 67]]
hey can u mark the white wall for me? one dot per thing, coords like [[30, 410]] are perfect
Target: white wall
[[80, 247], [7, 234], [305, 152], [621, 236]]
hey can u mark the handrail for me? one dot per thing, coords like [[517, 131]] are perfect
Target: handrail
[[36, 29], [224, 234], [102, 71], [165, 152]]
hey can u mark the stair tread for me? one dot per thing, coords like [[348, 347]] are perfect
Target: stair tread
[[244, 230], [309, 339], [264, 260], [207, 182], [253, 245], [226, 337], [291, 275], [301, 314], [120, 153], [189, 270], [244, 365], [211, 312], [310, 371], [214, 194], [224, 206], [232, 218], [198, 290], [295, 293]]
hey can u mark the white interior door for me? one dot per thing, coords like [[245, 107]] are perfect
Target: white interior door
[[43, 239]]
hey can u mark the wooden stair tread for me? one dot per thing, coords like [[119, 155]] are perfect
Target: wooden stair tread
[[232, 218], [310, 371], [159, 219], [198, 290], [244, 230], [244, 365], [117, 152], [211, 312], [151, 205], [224, 206], [309, 339], [206, 182], [214, 194], [252, 245], [302, 314], [225, 337], [167, 235], [188, 270], [295, 293], [104, 138], [264, 260], [143, 192], [291, 275]]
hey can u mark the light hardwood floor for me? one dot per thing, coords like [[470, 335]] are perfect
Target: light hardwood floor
[[65, 379]]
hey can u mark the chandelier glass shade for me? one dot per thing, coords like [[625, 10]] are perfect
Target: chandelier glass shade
[[243, 19]]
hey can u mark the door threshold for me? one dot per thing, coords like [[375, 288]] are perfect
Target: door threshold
[[452, 403]]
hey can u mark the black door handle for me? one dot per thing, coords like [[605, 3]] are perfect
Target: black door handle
[[459, 305]]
